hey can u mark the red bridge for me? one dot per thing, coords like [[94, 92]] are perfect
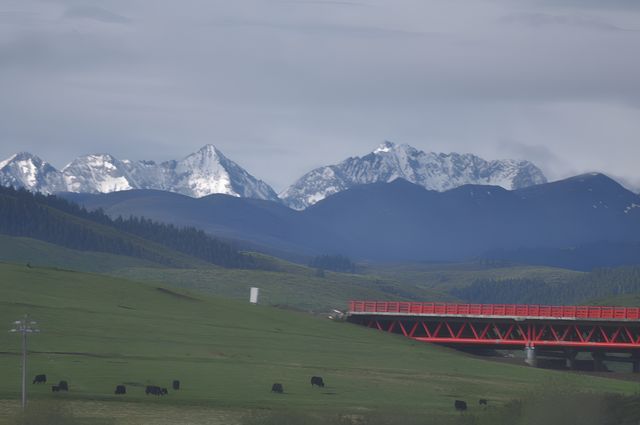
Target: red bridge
[[566, 329]]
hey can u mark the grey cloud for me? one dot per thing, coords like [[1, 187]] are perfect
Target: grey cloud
[[539, 154], [282, 89], [591, 4], [321, 28], [546, 20], [324, 2], [95, 13]]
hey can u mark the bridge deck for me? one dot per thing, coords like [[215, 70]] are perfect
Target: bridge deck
[[493, 311], [499, 325]]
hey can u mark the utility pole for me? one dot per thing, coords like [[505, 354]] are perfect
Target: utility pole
[[24, 327]]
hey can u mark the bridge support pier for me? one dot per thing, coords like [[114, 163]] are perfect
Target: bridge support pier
[[598, 364], [635, 362], [570, 355], [530, 356]]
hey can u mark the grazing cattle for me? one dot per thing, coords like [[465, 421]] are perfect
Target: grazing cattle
[[317, 380], [40, 379], [164, 391], [63, 386], [277, 388], [175, 385], [121, 389], [55, 388], [483, 402], [153, 390], [460, 405]]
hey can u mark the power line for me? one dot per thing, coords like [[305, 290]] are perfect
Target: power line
[[24, 327]]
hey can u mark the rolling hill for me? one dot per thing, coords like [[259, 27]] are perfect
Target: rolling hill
[[99, 331]]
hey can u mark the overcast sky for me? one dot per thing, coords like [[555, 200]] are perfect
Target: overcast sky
[[283, 86]]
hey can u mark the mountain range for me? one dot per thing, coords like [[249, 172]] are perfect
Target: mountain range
[[402, 221], [202, 173], [435, 171], [208, 171]]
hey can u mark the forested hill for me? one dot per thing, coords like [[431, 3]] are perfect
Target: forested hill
[[60, 222], [600, 283]]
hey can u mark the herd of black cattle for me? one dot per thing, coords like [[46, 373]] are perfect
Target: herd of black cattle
[[277, 387], [315, 381], [120, 389]]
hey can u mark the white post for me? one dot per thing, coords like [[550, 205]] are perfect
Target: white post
[[253, 296]]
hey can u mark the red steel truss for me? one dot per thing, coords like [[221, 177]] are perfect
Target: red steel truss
[[504, 325]]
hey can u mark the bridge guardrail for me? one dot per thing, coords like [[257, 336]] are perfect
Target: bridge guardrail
[[510, 310]]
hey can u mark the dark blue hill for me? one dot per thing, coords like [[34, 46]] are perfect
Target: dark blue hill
[[400, 221]]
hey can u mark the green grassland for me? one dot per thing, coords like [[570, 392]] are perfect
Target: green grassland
[[99, 331], [627, 300], [284, 284], [39, 253], [442, 277]]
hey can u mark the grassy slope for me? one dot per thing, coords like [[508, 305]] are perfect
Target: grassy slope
[[99, 331], [39, 253], [441, 277], [291, 285], [628, 300], [301, 291]]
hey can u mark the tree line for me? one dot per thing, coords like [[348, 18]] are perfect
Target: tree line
[[336, 263], [55, 220]]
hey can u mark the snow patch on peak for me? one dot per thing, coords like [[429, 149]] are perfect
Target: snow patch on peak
[[7, 161], [631, 207], [387, 146]]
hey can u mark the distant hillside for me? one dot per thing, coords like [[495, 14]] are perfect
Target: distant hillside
[[605, 284], [262, 225], [401, 222], [62, 223]]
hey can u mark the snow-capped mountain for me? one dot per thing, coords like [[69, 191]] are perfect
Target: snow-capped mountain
[[436, 171], [98, 173], [202, 173], [209, 171], [30, 172]]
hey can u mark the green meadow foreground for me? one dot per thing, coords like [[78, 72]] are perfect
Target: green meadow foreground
[[99, 331]]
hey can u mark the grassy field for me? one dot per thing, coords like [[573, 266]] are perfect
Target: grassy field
[[287, 284], [100, 331], [442, 277], [628, 300]]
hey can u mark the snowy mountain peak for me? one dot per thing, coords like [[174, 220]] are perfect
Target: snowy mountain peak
[[204, 172], [208, 149], [29, 171], [97, 173], [435, 171]]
